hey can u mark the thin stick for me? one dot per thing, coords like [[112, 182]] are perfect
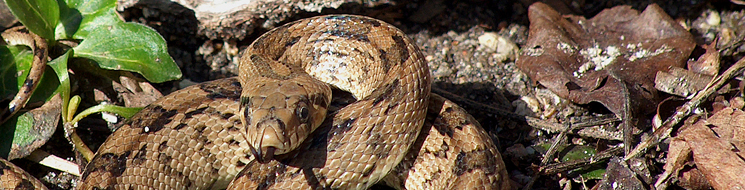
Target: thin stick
[[550, 153], [570, 165], [533, 121], [683, 111]]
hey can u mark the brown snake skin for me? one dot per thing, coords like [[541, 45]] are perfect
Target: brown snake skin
[[13, 177], [397, 133], [21, 36], [372, 60]]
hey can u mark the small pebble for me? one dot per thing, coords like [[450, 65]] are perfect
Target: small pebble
[[504, 48]]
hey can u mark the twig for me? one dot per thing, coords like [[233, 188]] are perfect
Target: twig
[[549, 155], [554, 146], [628, 134], [684, 110], [533, 121], [570, 165], [52, 161]]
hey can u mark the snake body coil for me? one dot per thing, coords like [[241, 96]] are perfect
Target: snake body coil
[[268, 129], [372, 60]]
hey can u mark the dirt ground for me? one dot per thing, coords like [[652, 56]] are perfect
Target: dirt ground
[[457, 39]]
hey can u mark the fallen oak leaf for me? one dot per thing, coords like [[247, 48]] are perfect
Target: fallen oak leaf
[[729, 125], [681, 82], [683, 111], [678, 155], [599, 59], [715, 145], [708, 63]]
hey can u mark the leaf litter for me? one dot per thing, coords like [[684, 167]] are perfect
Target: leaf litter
[[621, 58], [594, 60], [710, 148]]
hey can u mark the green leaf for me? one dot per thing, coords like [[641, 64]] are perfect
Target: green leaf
[[130, 47], [87, 7], [79, 18], [69, 21], [26, 132], [39, 16], [21, 125], [576, 152], [595, 172], [59, 65], [15, 62], [97, 19], [125, 112]]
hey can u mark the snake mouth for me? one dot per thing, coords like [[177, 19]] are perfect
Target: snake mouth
[[263, 156], [268, 143]]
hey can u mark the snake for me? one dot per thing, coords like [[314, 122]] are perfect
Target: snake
[[328, 102], [19, 35]]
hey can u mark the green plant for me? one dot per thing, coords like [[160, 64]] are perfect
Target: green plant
[[98, 35]]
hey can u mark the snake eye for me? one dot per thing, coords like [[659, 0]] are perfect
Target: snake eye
[[302, 112]]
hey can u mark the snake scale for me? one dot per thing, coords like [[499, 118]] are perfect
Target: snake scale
[[20, 36], [276, 125]]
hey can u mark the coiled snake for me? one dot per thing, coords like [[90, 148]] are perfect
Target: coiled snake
[[395, 132]]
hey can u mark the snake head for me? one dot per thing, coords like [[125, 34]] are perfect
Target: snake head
[[279, 116]]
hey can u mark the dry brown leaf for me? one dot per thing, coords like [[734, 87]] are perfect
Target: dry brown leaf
[[737, 102], [618, 175], [708, 63], [681, 82], [135, 92], [590, 60], [692, 178], [729, 125], [678, 155], [715, 144]]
